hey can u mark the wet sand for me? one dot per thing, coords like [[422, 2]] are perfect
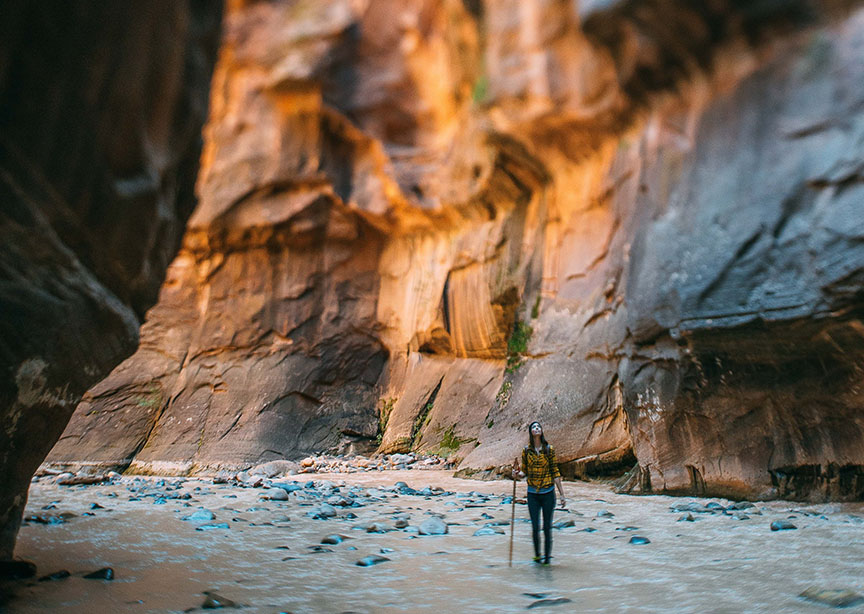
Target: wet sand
[[718, 563]]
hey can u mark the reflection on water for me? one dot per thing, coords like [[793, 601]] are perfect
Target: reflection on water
[[716, 564]]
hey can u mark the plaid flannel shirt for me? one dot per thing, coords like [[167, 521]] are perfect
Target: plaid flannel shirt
[[536, 466]]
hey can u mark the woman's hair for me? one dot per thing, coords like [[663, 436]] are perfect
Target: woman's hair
[[543, 441]]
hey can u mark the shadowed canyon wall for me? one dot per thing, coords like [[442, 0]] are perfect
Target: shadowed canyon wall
[[424, 224], [101, 108]]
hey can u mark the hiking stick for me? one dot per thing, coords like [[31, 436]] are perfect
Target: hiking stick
[[512, 519]]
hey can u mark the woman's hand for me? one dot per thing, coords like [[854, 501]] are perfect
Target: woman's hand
[[563, 503], [516, 472]]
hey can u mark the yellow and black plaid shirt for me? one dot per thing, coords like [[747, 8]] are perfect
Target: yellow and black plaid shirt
[[540, 469]]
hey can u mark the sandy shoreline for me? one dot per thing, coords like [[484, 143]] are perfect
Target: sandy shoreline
[[720, 562]]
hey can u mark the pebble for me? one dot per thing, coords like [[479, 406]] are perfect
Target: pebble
[[372, 559], [782, 525], [487, 531], [106, 573], [605, 514], [636, 540], [400, 523], [688, 517], [563, 524]]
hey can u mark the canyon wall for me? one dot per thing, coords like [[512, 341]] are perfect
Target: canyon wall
[[424, 224], [101, 108]]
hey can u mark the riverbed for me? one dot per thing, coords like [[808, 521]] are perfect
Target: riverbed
[[266, 555]]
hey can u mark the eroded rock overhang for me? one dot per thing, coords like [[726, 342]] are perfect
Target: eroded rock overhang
[[423, 225]]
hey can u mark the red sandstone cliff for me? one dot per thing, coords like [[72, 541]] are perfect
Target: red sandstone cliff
[[432, 222]]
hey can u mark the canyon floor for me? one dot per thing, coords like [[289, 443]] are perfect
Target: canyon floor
[[267, 555]]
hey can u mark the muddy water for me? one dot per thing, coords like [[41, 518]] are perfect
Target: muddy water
[[716, 564]]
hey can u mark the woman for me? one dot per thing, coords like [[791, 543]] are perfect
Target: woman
[[538, 459]]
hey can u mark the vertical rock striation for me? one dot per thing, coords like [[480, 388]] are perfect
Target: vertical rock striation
[[100, 115], [424, 224]]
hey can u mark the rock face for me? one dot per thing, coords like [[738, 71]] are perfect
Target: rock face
[[424, 224], [100, 115]]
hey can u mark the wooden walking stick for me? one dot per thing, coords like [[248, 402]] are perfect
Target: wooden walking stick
[[512, 519]]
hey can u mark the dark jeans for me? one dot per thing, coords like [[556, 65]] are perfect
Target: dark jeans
[[546, 503]]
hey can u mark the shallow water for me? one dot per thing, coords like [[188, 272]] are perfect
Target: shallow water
[[716, 564]]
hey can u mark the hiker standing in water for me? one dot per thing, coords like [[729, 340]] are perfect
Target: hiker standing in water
[[538, 460]]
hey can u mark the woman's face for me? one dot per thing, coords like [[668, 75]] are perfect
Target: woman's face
[[536, 429]]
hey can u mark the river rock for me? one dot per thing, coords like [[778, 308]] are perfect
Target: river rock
[[288, 487], [782, 525], [837, 598], [57, 575], [637, 540], [273, 468], [378, 527], [487, 531], [545, 603], [433, 526], [322, 512], [45, 518], [692, 506], [200, 515], [563, 523], [372, 559], [275, 494], [213, 526], [332, 539], [215, 601], [105, 573], [338, 500]]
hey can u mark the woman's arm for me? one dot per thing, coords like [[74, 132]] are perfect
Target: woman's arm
[[560, 486], [556, 476]]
